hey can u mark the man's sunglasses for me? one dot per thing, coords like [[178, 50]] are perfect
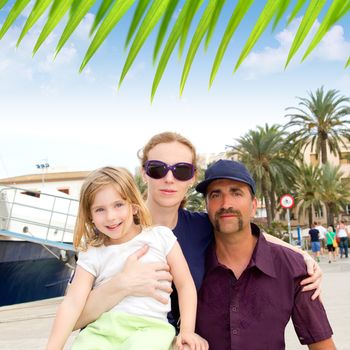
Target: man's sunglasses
[[157, 170]]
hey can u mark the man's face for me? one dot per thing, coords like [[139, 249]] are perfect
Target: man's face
[[230, 206]]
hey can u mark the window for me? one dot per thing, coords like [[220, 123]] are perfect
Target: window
[[63, 190], [314, 159], [347, 209], [344, 158]]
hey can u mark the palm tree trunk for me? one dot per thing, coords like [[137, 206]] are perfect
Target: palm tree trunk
[[273, 203], [266, 196], [323, 145], [310, 210]]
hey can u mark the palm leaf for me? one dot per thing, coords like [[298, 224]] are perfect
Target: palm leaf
[[117, 11], [334, 13], [309, 18], [39, 8], [282, 8], [76, 17], [191, 11], [197, 39], [213, 21], [263, 21], [74, 6], [347, 63], [105, 6], [58, 10], [3, 3], [16, 10], [236, 18], [164, 26], [139, 12], [169, 47], [152, 17], [296, 10]]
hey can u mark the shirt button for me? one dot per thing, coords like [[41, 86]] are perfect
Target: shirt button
[[235, 331], [234, 309]]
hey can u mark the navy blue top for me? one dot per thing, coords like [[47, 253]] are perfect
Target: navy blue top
[[314, 235], [194, 234]]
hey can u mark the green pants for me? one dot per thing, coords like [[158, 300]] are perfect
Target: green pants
[[120, 331]]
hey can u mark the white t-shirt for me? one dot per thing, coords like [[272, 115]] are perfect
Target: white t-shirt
[[322, 231], [341, 232], [105, 261]]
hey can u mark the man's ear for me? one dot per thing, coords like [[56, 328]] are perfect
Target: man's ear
[[254, 207]]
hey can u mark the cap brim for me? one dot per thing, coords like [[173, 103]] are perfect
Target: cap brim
[[202, 186]]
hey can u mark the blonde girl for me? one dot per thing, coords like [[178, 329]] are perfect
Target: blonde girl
[[113, 222]]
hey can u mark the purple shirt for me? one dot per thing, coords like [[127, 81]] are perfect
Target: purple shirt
[[253, 311]]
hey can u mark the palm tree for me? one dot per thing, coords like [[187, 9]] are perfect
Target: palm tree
[[334, 193], [308, 191], [321, 121], [263, 152], [203, 15]]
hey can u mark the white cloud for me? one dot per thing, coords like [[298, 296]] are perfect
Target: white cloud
[[19, 63], [333, 47]]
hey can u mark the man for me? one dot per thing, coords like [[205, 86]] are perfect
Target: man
[[322, 231], [251, 287], [315, 241]]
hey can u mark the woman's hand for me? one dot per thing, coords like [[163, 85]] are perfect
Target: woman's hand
[[190, 341], [314, 281]]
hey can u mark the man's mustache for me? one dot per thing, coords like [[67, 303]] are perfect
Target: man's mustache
[[228, 211]]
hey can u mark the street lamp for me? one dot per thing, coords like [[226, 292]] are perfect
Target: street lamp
[[43, 167]]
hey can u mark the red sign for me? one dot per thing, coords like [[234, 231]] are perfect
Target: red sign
[[287, 201]]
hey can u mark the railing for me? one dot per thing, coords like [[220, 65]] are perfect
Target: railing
[[36, 216]]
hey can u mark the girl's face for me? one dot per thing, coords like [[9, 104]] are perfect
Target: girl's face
[[168, 191], [113, 216]]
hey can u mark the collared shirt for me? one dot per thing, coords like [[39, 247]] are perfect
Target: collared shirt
[[251, 313]]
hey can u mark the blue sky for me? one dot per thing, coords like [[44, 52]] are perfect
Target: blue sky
[[82, 121]]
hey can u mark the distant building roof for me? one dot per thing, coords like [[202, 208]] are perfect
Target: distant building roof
[[49, 177]]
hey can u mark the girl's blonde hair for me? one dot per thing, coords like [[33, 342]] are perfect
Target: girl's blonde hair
[[84, 233]]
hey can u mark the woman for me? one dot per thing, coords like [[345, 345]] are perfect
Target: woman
[[168, 167], [343, 235]]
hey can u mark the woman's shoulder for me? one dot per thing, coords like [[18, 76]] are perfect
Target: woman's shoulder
[[193, 215]]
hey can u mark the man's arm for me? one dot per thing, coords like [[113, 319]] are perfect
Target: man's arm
[[313, 282], [326, 344], [136, 279]]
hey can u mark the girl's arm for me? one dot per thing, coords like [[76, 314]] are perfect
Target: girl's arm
[[313, 269], [70, 309], [187, 300], [135, 279]]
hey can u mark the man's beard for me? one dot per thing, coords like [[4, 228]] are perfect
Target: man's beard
[[228, 211]]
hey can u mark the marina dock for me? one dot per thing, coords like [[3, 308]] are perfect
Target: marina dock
[[27, 326]]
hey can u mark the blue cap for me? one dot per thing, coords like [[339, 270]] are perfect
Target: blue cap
[[226, 169]]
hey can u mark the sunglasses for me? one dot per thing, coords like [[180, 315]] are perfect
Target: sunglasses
[[157, 170]]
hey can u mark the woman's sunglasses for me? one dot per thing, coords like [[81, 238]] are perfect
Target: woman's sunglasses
[[157, 170]]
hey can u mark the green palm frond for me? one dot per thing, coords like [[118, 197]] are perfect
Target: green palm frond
[[308, 20], [184, 23], [16, 10], [38, 10], [58, 9], [75, 18]]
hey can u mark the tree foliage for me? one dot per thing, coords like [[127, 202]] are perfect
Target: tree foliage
[[192, 16], [322, 121]]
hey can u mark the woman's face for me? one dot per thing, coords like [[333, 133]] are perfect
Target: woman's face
[[168, 191]]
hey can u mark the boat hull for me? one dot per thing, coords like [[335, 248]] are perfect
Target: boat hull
[[30, 272]]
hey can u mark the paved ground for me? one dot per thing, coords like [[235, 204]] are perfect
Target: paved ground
[[336, 298], [27, 326]]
